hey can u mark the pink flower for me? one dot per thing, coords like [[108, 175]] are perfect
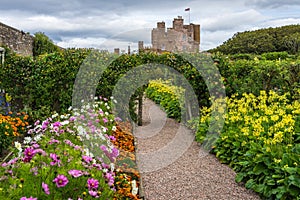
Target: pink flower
[[30, 198], [28, 154], [46, 188], [92, 183], [37, 123], [87, 159], [56, 124], [75, 173], [55, 159], [61, 180], [53, 141], [93, 193], [110, 179]]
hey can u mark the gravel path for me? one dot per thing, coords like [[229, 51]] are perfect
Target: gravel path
[[170, 171]]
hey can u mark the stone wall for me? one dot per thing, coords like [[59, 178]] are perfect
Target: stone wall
[[16, 40]]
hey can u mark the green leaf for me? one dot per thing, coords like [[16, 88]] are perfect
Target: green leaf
[[239, 177], [250, 183], [260, 168]]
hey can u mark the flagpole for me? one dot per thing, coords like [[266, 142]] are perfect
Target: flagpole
[[189, 9]]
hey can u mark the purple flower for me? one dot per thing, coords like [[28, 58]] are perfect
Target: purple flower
[[75, 173], [41, 151], [35, 146], [92, 183], [105, 120], [72, 119], [46, 188], [103, 148], [45, 124], [112, 138], [110, 179], [56, 124], [34, 170], [37, 123], [87, 159], [94, 193], [28, 154], [55, 159], [52, 141], [61, 180], [30, 198]]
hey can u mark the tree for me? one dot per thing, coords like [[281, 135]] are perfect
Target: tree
[[292, 42], [43, 45]]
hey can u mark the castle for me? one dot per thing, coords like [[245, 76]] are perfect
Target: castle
[[179, 38], [16, 40]]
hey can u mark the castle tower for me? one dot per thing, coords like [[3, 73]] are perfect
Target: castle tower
[[141, 46], [179, 38], [178, 23]]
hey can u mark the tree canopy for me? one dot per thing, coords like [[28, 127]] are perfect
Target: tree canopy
[[285, 38]]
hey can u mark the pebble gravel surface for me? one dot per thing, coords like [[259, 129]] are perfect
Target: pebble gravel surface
[[191, 176]]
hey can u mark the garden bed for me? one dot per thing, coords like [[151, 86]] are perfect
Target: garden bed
[[60, 155]]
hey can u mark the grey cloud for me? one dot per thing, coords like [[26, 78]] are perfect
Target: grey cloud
[[271, 4]]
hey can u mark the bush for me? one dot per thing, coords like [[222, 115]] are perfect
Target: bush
[[168, 96], [261, 141]]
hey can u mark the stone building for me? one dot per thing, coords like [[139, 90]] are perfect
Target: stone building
[[16, 40], [179, 38]]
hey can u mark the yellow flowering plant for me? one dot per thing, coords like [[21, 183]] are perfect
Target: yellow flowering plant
[[261, 142], [168, 96]]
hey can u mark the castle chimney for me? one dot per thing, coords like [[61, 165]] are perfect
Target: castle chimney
[[117, 51]]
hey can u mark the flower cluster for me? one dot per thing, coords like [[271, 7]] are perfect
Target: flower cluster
[[260, 140], [61, 153], [12, 126]]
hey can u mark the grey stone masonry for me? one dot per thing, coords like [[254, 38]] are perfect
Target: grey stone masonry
[[18, 41]]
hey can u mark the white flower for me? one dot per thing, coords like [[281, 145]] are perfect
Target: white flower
[[27, 140], [108, 107], [134, 187], [65, 122], [112, 166], [106, 113], [114, 128], [115, 101], [54, 116], [18, 146], [38, 137]]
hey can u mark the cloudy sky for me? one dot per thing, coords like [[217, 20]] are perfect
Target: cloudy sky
[[107, 24]]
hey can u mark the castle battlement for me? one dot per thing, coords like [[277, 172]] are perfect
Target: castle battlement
[[179, 38]]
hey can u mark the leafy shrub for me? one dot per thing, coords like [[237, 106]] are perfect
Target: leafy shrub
[[261, 140], [275, 55], [168, 96]]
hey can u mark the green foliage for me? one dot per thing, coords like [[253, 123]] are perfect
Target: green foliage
[[285, 38], [260, 141], [168, 96], [43, 45], [44, 82], [260, 73]]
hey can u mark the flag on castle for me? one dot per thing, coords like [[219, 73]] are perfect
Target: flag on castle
[[187, 9]]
